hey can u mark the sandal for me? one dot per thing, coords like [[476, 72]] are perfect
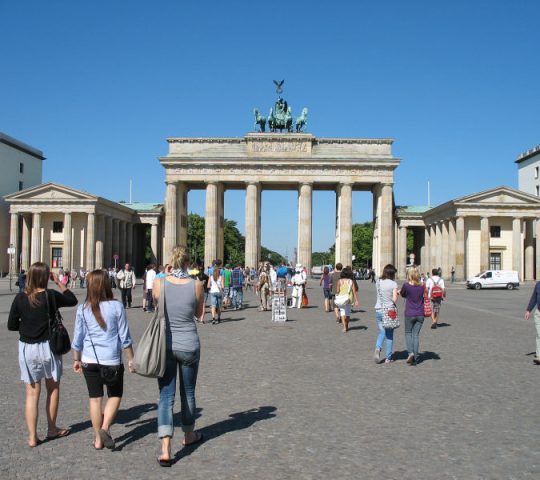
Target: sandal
[[61, 432], [199, 439], [108, 441], [163, 462]]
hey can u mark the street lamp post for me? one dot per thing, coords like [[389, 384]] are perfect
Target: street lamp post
[[11, 253]]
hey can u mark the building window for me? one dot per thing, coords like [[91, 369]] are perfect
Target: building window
[[20, 186], [537, 190], [495, 261], [535, 172], [21, 167], [495, 231], [57, 227], [56, 255]]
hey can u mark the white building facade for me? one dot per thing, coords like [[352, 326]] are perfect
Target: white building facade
[[22, 167], [529, 171]]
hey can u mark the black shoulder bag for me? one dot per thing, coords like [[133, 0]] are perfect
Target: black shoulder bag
[[110, 374], [59, 341]]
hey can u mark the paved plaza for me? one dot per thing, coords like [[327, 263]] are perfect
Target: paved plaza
[[303, 400]]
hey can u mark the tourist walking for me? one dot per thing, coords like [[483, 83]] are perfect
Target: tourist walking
[[227, 293], [334, 281], [347, 286], [534, 302], [21, 281], [237, 285], [184, 302], [149, 283], [30, 315], [82, 275], [387, 294], [326, 283], [453, 274], [215, 285], [126, 279], [101, 334], [436, 293], [72, 278], [413, 293]]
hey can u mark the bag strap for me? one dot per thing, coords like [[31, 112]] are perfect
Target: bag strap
[[90, 336]]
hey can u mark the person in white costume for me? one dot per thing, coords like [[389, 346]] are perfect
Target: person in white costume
[[299, 283]]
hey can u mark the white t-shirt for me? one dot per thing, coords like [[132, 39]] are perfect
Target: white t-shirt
[[431, 281], [150, 277], [215, 285]]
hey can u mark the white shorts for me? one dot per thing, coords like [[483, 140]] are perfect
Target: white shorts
[[345, 311], [37, 361]]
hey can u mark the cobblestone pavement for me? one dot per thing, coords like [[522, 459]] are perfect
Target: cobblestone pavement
[[303, 400]]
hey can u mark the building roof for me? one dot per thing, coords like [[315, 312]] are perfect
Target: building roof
[[23, 147], [143, 207], [528, 154], [413, 208]]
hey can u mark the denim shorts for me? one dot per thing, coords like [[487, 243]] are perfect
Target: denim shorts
[[327, 293], [216, 300]]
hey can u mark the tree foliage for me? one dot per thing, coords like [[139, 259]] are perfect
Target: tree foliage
[[234, 242], [362, 244]]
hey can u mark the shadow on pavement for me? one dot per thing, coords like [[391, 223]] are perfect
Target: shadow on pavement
[[423, 356], [358, 327], [236, 421], [442, 325]]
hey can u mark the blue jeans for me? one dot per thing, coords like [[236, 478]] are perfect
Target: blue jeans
[[412, 330], [149, 300], [189, 366], [384, 333], [237, 297]]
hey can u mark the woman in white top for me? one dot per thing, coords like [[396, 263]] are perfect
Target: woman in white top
[[387, 294], [215, 286]]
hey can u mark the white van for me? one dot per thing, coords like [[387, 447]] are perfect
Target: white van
[[494, 279]]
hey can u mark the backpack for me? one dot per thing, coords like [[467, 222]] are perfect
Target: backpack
[[436, 290]]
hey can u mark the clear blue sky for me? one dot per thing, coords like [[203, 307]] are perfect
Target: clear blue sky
[[100, 85]]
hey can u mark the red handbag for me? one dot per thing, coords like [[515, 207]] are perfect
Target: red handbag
[[427, 305]]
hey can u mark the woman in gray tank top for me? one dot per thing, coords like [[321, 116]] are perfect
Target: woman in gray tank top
[[184, 303]]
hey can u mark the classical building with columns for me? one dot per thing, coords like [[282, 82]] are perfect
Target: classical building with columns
[[290, 161], [70, 228], [494, 229]]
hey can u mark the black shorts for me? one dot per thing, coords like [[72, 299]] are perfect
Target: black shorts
[[95, 383]]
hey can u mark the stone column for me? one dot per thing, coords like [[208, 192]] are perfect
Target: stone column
[[386, 227], [433, 247], [25, 247], [154, 242], [36, 238], [451, 245], [115, 238], [402, 253], [304, 225], [220, 222], [516, 245], [253, 193], [444, 249], [90, 242], [344, 225], [529, 249], [129, 244], [375, 261], [181, 214], [170, 219], [122, 241], [66, 252], [537, 249], [484, 244], [460, 249], [14, 241], [108, 241], [100, 240], [211, 224], [426, 257]]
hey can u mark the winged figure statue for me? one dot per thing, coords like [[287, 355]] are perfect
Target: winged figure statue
[[279, 86]]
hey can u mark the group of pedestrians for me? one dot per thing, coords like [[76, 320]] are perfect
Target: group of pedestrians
[[100, 341]]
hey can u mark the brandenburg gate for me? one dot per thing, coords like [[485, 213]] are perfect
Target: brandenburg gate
[[280, 161]]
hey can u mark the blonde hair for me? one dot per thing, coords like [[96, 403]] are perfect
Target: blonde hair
[[413, 276], [179, 257]]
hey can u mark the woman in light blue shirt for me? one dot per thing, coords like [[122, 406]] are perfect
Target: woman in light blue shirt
[[101, 333]]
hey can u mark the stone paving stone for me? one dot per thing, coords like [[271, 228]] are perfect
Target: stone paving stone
[[304, 400]]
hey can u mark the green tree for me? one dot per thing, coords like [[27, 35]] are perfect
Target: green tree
[[362, 243], [322, 258], [196, 237]]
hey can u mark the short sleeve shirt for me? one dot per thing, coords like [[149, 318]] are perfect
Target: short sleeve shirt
[[384, 293]]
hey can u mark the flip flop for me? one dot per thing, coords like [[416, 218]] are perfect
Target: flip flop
[[96, 448], [63, 432], [199, 440], [108, 441], [165, 463]]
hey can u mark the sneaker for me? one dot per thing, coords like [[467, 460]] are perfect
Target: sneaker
[[536, 361], [377, 356], [389, 360], [410, 359], [433, 326]]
